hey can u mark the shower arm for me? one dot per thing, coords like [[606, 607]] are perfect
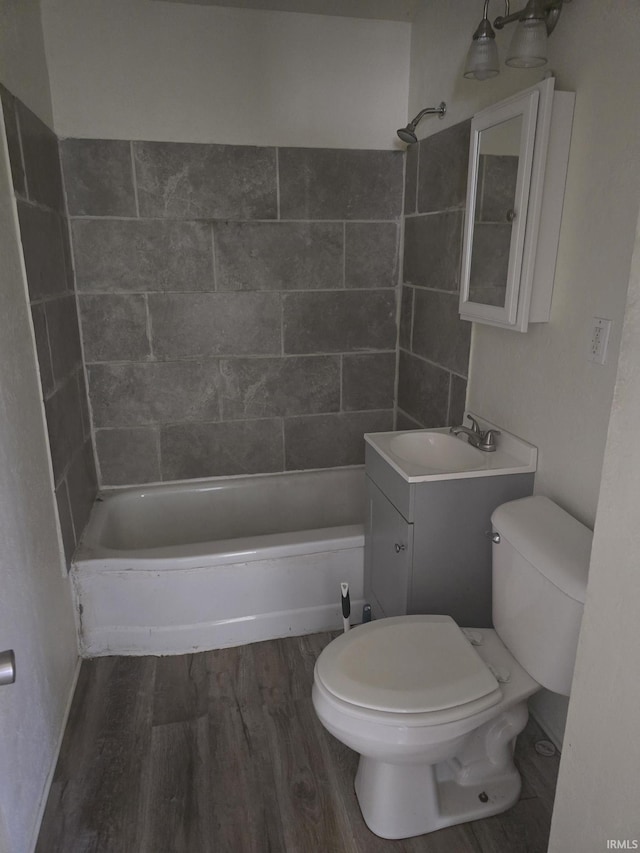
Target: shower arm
[[428, 111]]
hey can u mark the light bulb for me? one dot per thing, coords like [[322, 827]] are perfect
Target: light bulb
[[528, 47]]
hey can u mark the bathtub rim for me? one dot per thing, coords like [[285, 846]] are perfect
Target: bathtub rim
[[91, 555], [272, 546]]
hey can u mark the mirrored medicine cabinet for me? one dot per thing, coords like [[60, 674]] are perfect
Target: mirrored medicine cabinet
[[518, 160]]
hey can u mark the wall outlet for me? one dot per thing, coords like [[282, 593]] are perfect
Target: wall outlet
[[599, 340]]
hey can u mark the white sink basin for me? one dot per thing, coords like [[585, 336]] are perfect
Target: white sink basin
[[436, 454], [440, 451]]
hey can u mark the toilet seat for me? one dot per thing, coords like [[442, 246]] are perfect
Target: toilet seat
[[408, 665]]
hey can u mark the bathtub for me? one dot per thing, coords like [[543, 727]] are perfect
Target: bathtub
[[185, 567]]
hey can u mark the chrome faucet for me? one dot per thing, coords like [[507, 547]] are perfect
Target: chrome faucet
[[476, 437]]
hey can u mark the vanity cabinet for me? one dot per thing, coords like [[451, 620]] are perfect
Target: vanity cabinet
[[426, 543], [518, 163], [391, 553]]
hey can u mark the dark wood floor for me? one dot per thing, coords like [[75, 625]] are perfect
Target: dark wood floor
[[221, 751]]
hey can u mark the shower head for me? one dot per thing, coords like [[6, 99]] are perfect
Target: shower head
[[408, 134]]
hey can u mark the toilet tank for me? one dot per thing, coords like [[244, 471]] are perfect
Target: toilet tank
[[540, 568]]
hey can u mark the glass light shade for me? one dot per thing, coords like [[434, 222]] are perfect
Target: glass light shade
[[529, 45], [482, 59]]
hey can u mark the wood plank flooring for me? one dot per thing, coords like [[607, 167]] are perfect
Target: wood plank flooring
[[221, 752]]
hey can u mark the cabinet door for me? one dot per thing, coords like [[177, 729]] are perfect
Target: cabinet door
[[501, 158], [507, 163], [388, 555]]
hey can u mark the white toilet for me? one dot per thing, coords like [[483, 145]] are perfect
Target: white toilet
[[434, 709]]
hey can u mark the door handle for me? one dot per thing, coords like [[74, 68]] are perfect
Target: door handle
[[7, 667], [399, 548]]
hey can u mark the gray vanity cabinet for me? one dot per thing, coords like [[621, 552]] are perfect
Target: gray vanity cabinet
[[426, 543]]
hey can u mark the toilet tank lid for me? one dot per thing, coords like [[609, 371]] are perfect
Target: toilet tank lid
[[553, 541]]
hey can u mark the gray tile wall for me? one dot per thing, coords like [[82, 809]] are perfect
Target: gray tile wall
[[37, 181], [238, 304], [434, 342]]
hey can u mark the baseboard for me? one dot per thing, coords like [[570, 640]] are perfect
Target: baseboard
[[56, 753]]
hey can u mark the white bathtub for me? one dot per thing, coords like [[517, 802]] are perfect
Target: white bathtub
[[177, 568]]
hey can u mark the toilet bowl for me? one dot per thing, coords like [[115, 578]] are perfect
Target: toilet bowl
[[434, 709], [434, 756]]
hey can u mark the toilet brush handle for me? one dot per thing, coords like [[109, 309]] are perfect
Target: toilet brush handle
[[346, 605]]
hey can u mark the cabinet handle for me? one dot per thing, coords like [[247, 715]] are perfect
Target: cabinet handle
[[495, 537], [511, 215], [399, 548]]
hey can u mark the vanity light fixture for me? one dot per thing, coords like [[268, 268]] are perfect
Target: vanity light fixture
[[529, 45]]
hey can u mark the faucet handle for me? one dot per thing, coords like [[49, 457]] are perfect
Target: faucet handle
[[488, 440], [475, 426]]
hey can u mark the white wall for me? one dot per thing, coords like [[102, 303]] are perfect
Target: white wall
[[136, 69], [597, 794], [36, 615], [540, 384], [23, 68]]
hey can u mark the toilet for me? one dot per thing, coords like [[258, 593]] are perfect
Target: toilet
[[434, 709]]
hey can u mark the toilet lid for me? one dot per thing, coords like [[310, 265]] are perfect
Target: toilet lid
[[406, 664]]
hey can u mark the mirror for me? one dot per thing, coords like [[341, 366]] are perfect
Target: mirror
[[500, 161], [495, 211], [515, 187]]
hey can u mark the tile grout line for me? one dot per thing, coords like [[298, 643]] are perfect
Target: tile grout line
[[449, 396], [399, 258], [245, 357], [253, 221], [277, 152], [43, 304], [427, 213], [344, 255], [22, 162], [158, 436], [282, 349], [269, 417], [433, 363], [309, 290], [134, 178], [413, 313], [148, 330], [213, 259], [411, 417]]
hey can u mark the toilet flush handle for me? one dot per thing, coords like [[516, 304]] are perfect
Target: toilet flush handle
[[495, 537]]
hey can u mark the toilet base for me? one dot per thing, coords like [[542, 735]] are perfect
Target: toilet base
[[402, 800]]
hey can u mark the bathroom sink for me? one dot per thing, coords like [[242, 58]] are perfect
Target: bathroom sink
[[437, 450], [436, 454]]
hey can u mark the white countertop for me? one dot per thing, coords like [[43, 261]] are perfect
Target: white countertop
[[513, 455]]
